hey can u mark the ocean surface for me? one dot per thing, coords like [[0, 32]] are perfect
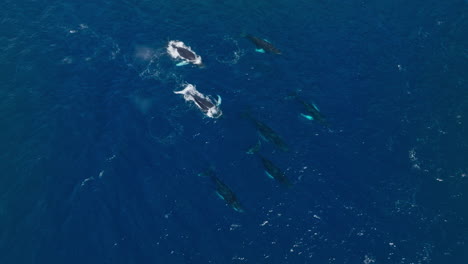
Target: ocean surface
[[100, 161]]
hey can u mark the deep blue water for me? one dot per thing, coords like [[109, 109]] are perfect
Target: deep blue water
[[99, 159]]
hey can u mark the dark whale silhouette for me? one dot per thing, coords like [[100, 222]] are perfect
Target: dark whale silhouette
[[274, 172], [262, 44], [267, 133], [185, 53], [223, 191], [203, 103], [178, 50]]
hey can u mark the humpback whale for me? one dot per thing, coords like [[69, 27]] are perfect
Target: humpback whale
[[208, 106], [274, 172], [263, 45], [185, 53], [312, 111], [178, 50], [224, 192], [267, 134]]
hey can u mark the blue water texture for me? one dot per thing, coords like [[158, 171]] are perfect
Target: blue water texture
[[100, 162]]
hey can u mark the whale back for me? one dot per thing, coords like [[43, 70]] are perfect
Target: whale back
[[263, 44], [185, 53]]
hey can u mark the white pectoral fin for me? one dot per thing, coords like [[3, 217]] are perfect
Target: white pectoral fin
[[260, 50], [308, 117], [254, 148], [182, 63], [316, 108], [218, 102], [219, 195], [181, 91], [189, 87]]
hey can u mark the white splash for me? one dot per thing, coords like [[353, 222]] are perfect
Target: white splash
[[191, 94]]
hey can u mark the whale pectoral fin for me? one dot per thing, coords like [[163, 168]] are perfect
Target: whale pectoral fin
[[218, 102], [267, 40], [308, 117], [269, 175], [219, 195], [184, 91], [238, 209], [254, 148], [262, 137], [260, 50], [316, 108], [182, 63]]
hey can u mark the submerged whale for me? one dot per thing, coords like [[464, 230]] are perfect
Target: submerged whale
[[208, 106], [223, 191], [263, 45], [267, 134], [312, 111], [274, 172], [178, 50]]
